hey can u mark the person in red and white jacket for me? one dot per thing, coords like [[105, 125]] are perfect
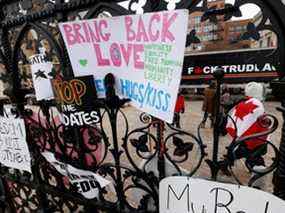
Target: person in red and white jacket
[[246, 115]]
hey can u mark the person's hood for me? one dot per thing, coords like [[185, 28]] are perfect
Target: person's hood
[[255, 90]]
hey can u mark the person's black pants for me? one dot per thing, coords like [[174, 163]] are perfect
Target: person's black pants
[[176, 120]]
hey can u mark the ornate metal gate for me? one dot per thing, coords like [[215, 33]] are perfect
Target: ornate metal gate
[[111, 149]]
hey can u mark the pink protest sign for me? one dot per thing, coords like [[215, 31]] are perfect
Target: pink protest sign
[[144, 52]]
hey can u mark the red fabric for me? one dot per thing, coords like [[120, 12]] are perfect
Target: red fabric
[[180, 104], [245, 108], [246, 115], [255, 128], [254, 143]]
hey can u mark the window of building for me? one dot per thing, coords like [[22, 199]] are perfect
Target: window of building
[[239, 28], [232, 38], [260, 43], [269, 41], [207, 28], [232, 29], [208, 37], [197, 20], [210, 27], [197, 28], [197, 47]]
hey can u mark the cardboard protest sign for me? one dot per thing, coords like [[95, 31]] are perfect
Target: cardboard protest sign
[[76, 97], [190, 195], [84, 181], [42, 72], [14, 151], [144, 52]]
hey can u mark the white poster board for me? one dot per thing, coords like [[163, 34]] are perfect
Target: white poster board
[[84, 181], [14, 151], [190, 195], [41, 74], [144, 52]]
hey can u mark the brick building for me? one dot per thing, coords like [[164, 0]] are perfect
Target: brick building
[[268, 39], [220, 35], [233, 32]]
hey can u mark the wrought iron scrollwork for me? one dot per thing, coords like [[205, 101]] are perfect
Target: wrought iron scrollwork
[[134, 160], [256, 161]]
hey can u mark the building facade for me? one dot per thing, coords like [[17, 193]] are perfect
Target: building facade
[[268, 39], [218, 34]]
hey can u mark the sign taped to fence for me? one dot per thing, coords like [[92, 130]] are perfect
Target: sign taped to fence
[[76, 98], [84, 181], [145, 54], [191, 195], [14, 151], [42, 70]]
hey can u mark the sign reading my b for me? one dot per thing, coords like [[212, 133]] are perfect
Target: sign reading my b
[[191, 195]]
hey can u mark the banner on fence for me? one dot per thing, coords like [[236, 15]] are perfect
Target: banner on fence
[[14, 151], [76, 98], [144, 52], [42, 72], [184, 194], [84, 181]]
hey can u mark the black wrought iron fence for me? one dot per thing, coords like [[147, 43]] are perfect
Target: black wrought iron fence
[[134, 160]]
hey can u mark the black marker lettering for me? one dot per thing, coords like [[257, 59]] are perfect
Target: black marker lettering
[[178, 197]]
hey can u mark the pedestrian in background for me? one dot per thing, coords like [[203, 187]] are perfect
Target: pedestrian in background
[[209, 104], [245, 121], [226, 100], [179, 108]]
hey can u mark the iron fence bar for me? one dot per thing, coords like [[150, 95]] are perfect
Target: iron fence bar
[[113, 105], [18, 96], [58, 8], [278, 89], [161, 149], [216, 130], [214, 163], [35, 152], [279, 174]]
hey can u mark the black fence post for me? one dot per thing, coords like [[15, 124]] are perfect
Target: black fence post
[[279, 175], [113, 102], [161, 149], [214, 163]]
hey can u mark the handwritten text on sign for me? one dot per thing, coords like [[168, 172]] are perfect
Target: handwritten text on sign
[[190, 195], [144, 52], [76, 97], [14, 150]]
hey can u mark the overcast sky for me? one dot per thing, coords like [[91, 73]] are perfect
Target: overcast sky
[[248, 10]]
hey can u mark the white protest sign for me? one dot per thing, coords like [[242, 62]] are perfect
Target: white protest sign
[[84, 181], [42, 73], [144, 52], [190, 195], [14, 151]]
